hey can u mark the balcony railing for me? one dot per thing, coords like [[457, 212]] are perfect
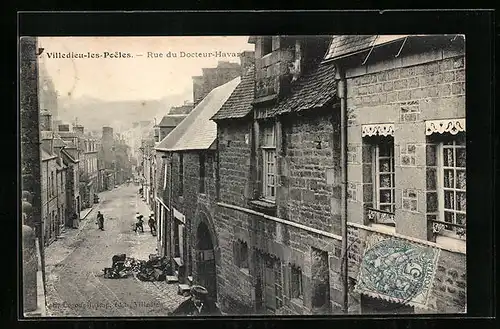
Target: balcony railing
[[380, 216], [438, 226]]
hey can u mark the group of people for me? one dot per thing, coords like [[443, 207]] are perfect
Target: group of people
[[139, 224]]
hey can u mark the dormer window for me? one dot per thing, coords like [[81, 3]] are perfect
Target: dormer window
[[267, 45]]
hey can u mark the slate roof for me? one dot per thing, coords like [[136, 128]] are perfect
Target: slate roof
[[171, 120], [343, 45], [312, 90], [197, 131], [239, 104]]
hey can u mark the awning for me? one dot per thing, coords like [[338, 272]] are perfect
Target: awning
[[452, 126], [397, 270], [381, 129]]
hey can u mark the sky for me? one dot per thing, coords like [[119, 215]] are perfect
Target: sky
[[139, 76]]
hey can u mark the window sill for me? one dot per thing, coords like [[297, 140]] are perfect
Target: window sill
[[452, 243], [264, 206], [384, 228]]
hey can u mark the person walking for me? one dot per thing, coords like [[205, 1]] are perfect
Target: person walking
[[100, 221], [152, 223], [139, 223]]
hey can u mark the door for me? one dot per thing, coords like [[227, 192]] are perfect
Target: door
[[269, 292], [207, 271]]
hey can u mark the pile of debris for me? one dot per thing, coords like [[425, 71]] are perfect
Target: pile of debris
[[155, 269]]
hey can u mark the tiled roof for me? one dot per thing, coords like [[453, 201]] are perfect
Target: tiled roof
[[314, 89], [239, 104], [343, 45], [197, 131], [171, 120]]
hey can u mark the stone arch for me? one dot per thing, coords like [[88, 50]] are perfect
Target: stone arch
[[205, 242]]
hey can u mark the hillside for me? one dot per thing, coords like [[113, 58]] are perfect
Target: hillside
[[95, 113]]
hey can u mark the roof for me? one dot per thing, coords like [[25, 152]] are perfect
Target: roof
[[197, 131], [171, 120], [67, 134], [58, 142], [46, 155], [344, 45], [239, 104], [69, 156], [312, 90]]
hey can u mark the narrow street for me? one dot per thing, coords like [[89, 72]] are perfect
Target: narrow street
[[74, 263]]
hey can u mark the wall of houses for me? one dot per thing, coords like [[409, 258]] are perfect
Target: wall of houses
[[295, 246], [406, 92], [49, 199]]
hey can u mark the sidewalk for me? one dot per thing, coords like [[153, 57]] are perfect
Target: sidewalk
[[145, 245]]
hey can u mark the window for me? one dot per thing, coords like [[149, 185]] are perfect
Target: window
[[52, 184], [384, 175], [202, 173], [278, 284], [452, 178], [165, 173], [267, 45], [241, 254], [269, 162], [181, 174], [296, 283]]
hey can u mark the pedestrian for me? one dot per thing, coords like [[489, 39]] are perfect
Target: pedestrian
[[75, 219], [100, 221], [198, 304], [139, 223], [152, 223]]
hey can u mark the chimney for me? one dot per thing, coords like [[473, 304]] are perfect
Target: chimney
[[247, 59], [64, 127], [78, 129], [45, 120]]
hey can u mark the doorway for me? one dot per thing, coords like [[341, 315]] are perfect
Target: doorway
[[206, 267]]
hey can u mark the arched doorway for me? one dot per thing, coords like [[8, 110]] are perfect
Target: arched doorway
[[206, 274]]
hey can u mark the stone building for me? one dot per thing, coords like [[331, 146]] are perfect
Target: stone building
[[53, 180], [71, 157], [278, 217], [404, 101], [187, 182], [87, 166], [213, 77]]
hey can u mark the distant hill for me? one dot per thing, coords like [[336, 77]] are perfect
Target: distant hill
[[95, 113]]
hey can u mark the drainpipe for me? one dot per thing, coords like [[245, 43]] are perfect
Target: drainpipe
[[343, 168]]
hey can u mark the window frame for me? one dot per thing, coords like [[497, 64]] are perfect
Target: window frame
[[376, 175], [165, 173], [296, 282], [267, 42], [441, 189], [268, 150], [278, 283]]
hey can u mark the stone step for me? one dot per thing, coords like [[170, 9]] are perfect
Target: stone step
[[183, 289], [172, 279]]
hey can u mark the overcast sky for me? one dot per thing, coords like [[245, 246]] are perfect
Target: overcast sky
[[138, 77]]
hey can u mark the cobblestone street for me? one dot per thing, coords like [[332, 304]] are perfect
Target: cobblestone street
[[74, 263]]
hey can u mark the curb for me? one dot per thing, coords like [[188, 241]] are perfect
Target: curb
[[91, 209]]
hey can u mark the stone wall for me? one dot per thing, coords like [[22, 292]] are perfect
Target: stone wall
[[311, 154], [448, 293]]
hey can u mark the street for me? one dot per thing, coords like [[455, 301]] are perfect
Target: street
[[74, 263]]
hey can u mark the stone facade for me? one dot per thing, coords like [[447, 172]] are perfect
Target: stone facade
[[403, 93], [51, 221]]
